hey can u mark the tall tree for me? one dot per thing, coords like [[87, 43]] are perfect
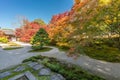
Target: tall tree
[[40, 39]]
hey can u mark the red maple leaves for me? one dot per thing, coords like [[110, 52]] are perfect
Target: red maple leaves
[[26, 32]]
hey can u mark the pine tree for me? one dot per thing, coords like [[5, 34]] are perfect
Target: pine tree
[[40, 39]]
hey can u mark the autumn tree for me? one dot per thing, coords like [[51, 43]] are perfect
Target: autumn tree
[[29, 29]]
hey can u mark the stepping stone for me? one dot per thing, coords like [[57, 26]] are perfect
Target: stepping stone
[[5, 74], [38, 67], [30, 76], [20, 68], [31, 64], [57, 77], [24, 76], [45, 72]]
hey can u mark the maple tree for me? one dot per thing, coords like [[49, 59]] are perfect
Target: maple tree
[[85, 21], [28, 30]]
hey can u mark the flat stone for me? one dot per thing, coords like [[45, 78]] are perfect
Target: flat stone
[[31, 64], [27, 75], [57, 77], [5, 74], [20, 68], [45, 72], [30, 76], [38, 67]]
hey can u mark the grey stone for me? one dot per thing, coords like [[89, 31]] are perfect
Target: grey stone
[[30, 76], [5, 74], [57, 77], [31, 64], [27, 74], [44, 72], [20, 68], [38, 67]]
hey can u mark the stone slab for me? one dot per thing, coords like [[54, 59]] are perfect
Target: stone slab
[[20, 68], [38, 67], [45, 72], [27, 74], [31, 64], [5, 74], [57, 77]]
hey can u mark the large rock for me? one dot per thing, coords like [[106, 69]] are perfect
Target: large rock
[[5, 74], [20, 68], [45, 72], [57, 77]]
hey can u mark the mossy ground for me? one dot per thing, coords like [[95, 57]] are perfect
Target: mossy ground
[[44, 49], [104, 53], [12, 48]]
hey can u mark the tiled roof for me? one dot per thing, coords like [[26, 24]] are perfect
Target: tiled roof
[[8, 31]]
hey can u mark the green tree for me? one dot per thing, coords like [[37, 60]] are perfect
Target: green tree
[[40, 39]]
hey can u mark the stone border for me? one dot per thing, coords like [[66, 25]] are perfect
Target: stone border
[[28, 74]]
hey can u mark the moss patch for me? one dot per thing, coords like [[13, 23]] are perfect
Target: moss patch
[[12, 48], [104, 53], [44, 49]]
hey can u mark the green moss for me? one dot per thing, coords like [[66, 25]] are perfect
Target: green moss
[[44, 49], [12, 48], [62, 48], [65, 49], [103, 52], [71, 72]]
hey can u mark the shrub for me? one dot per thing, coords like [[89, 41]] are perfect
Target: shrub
[[3, 39]]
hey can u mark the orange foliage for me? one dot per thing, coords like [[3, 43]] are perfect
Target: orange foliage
[[1, 33], [26, 32]]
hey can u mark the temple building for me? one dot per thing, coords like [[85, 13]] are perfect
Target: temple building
[[9, 33]]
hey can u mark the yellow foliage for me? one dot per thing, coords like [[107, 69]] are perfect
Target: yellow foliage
[[104, 2], [108, 21], [63, 44], [4, 39], [12, 44]]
